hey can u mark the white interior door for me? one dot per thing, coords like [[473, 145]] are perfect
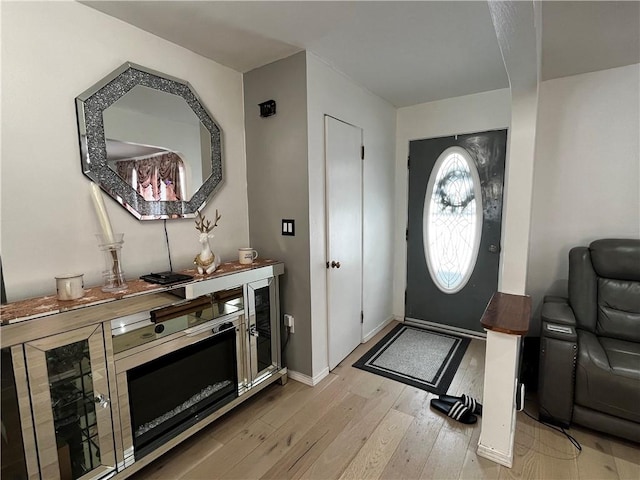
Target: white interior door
[[343, 145]]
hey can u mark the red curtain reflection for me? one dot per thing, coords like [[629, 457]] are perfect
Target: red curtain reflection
[[158, 177]]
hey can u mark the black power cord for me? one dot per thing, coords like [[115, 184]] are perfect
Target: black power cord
[[166, 236], [286, 342], [553, 427], [283, 347]]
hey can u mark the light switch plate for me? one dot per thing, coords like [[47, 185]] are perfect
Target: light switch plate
[[288, 227]]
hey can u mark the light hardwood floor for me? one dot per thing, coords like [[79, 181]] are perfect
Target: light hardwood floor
[[356, 425]]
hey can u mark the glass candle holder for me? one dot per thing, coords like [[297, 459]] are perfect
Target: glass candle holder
[[112, 275]]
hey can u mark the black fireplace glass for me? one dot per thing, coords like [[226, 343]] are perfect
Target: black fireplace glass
[[263, 326], [171, 393]]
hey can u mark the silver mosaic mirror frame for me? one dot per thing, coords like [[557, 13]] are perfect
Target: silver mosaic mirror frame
[[93, 149]]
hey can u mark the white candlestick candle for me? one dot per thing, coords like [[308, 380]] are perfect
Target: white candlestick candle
[[101, 212]]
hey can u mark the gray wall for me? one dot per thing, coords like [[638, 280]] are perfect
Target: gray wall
[[277, 186]]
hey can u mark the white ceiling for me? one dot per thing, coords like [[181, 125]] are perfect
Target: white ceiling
[[405, 52]]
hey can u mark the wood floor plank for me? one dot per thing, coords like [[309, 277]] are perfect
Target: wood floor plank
[[474, 466], [627, 458], [479, 468], [475, 354], [361, 383], [412, 453], [310, 446], [217, 464], [526, 460], [335, 429], [374, 455], [412, 401], [274, 396], [596, 461], [447, 456], [282, 441], [473, 379], [281, 413], [361, 349], [335, 458], [355, 380], [171, 466], [558, 457], [473, 359]]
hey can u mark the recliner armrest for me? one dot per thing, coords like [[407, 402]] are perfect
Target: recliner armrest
[[558, 349], [555, 299], [566, 333], [559, 313]]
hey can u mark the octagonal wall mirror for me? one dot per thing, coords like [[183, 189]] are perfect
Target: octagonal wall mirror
[[149, 142]]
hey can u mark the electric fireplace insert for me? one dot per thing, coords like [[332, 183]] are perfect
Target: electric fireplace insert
[[176, 366], [171, 393]]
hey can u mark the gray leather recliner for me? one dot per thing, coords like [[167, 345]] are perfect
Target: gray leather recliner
[[590, 343]]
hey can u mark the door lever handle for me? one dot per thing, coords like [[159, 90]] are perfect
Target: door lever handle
[[335, 264]]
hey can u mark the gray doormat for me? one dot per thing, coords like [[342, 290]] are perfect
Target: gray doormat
[[424, 359]]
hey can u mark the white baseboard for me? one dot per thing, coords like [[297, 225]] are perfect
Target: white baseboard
[[373, 333], [306, 379], [505, 459], [311, 381]]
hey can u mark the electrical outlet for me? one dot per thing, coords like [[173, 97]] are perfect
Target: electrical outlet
[[289, 322]]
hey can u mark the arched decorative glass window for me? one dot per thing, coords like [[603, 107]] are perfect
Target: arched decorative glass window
[[452, 220]]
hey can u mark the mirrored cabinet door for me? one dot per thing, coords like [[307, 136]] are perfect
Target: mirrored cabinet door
[[71, 405], [17, 428], [263, 329]]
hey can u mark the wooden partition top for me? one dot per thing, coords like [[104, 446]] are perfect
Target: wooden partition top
[[507, 313]]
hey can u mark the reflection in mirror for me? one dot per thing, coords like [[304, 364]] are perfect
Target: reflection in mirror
[[147, 140], [156, 144]]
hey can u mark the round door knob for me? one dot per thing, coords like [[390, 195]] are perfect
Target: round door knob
[[335, 264]]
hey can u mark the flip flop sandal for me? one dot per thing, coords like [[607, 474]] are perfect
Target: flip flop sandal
[[457, 411], [469, 402]]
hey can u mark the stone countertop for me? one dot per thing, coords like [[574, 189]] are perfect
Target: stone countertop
[[49, 305]]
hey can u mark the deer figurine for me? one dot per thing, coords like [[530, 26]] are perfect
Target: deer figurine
[[206, 260]]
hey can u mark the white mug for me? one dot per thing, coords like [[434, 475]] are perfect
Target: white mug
[[247, 255], [70, 286]]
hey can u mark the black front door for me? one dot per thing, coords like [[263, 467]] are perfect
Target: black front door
[[454, 225]]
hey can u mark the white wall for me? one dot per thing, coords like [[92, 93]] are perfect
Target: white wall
[[330, 92], [467, 114], [587, 170], [52, 52], [518, 30]]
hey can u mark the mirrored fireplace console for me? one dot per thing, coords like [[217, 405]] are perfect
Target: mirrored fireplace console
[[101, 389]]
